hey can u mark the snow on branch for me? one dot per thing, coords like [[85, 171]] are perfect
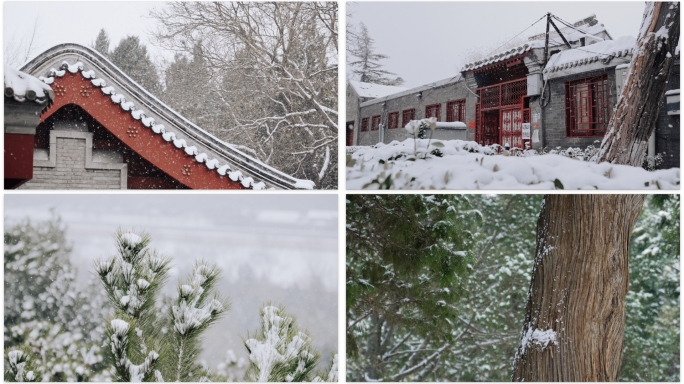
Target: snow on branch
[[279, 352], [119, 331]]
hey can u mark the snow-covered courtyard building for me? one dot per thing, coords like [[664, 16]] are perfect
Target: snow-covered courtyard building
[[73, 120], [513, 97]]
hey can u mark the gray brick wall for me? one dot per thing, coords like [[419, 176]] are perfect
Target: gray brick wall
[[439, 95], [69, 169]]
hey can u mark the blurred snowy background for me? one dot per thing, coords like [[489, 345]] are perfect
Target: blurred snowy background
[[276, 248]]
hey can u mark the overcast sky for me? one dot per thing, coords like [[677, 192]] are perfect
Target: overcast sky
[[79, 21], [426, 41]]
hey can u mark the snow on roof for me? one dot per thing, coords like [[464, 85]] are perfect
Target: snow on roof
[[602, 52], [589, 27], [672, 92], [501, 56], [183, 129], [416, 90], [374, 90], [22, 87]]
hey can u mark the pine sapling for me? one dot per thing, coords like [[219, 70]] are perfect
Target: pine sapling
[[279, 351], [330, 374], [197, 307], [131, 280]]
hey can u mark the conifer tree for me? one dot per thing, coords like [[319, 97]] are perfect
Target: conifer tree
[[132, 279], [101, 43], [133, 59], [367, 67], [279, 351]]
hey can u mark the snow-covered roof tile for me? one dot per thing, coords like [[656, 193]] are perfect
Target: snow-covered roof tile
[[370, 90], [229, 159], [435, 84], [504, 55], [21, 87], [602, 52]]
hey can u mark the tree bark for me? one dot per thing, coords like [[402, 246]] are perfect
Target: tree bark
[[634, 118], [575, 316]]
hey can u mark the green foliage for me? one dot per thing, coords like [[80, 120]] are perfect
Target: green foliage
[[132, 278], [651, 350], [279, 351], [407, 259]]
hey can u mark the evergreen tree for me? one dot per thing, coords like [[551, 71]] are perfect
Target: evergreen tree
[[651, 351], [407, 260], [132, 279], [279, 352], [367, 67], [101, 43], [132, 58], [47, 315]]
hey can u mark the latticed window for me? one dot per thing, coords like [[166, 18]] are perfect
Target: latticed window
[[364, 124], [393, 120], [375, 123], [456, 110], [587, 106], [407, 115], [433, 110]]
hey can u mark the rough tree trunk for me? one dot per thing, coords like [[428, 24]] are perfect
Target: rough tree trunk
[[575, 316], [635, 115]]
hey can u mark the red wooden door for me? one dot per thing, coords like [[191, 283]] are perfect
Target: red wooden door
[[511, 127], [490, 127], [350, 133]]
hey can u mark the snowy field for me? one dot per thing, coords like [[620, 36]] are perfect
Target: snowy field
[[279, 249], [456, 164]]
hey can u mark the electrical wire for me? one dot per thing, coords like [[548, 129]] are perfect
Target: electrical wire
[[499, 47]]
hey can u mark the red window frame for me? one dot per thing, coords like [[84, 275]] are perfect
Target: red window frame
[[434, 110], [407, 115], [393, 120], [456, 110], [364, 124], [587, 106], [375, 123]]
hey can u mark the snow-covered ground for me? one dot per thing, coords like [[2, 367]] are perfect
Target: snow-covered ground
[[457, 164]]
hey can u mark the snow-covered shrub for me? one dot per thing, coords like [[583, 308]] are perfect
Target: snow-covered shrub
[[279, 351], [56, 322]]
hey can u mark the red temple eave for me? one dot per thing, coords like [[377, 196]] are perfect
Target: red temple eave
[[175, 162], [501, 64]]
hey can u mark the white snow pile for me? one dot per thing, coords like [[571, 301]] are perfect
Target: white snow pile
[[457, 164], [274, 349], [131, 239], [538, 337], [24, 86]]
